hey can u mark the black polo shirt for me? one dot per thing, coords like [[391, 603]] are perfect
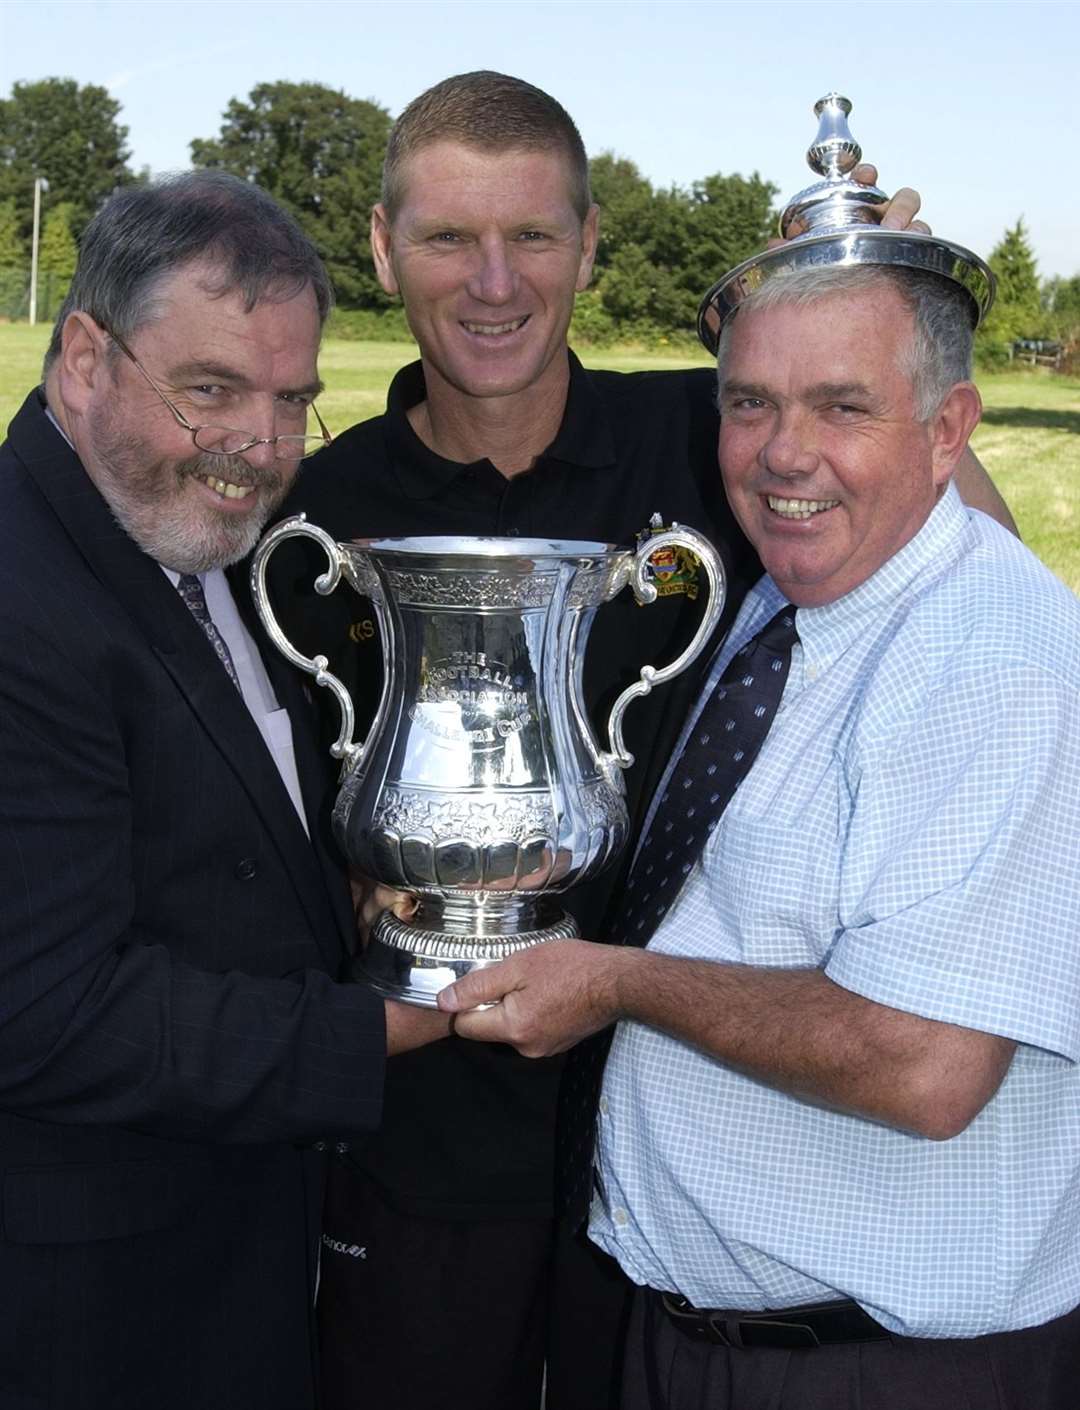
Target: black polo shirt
[[468, 1128]]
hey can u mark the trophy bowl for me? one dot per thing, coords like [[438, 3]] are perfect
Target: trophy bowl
[[480, 787]]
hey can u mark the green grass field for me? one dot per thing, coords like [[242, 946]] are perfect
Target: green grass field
[[1029, 439]]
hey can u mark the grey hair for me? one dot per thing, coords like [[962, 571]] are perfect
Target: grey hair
[[145, 233], [939, 354]]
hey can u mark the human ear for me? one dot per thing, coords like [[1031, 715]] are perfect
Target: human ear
[[381, 245], [590, 230], [81, 362], [951, 427]]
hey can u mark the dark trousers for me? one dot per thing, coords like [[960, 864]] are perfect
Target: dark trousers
[[588, 1316], [436, 1314], [1035, 1369]]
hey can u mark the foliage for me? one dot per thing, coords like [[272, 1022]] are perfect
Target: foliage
[[660, 250], [12, 248], [1017, 311], [58, 251], [320, 153], [366, 324], [1061, 302], [68, 134]]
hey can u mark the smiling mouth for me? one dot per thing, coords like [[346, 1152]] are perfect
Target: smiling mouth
[[799, 508], [225, 488], [491, 330]]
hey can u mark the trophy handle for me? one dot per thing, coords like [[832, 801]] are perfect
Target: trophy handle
[[344, 747], [645, 592]]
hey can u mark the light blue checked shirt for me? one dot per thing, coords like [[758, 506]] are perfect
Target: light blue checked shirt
[[912, 826]]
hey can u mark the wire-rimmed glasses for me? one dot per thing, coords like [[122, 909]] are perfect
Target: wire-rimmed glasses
[[228, 440]]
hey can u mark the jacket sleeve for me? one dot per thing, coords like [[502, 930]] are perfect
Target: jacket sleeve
[[122, 998]]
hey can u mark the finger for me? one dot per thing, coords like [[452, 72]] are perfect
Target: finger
[[902, 209], [865, 174], [385, 898], [481, 1025], [481, 986]]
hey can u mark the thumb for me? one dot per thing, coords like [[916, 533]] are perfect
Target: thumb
[[482, 986]]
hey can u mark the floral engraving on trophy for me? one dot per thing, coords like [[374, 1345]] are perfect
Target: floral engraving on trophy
[[521, 818], [603, 807], [450, 589]]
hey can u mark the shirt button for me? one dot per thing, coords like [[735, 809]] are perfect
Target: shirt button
[[319, 1146], [620, 1216], [604, 1106], [811, 673], [245, 869]]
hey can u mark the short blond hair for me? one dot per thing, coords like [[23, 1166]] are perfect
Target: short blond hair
[[492, 112]]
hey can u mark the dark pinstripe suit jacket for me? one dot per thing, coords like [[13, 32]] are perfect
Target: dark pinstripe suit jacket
[[171, 1046]]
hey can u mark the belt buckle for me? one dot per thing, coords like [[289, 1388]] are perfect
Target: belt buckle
[[695, 1322]]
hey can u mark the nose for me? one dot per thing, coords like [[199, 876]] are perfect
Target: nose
[[262, 421], [789, 450], [261, 456], [493, 279]]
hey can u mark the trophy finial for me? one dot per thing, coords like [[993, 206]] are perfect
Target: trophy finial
[[837, 221], [834, 152], [839, 201]]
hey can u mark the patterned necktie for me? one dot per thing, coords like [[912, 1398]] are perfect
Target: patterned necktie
[[716, 758], [190, 589]]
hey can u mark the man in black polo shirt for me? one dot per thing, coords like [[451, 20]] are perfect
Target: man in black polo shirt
[[439, 1231]]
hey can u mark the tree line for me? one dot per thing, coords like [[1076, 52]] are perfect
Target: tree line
[[319, 151]]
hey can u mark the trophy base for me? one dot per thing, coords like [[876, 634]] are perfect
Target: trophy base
[[410, 963]]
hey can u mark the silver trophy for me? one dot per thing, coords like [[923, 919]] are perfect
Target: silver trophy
[[480, 785], [836, 222]]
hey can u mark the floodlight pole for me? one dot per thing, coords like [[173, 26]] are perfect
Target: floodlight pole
[[39, 182]]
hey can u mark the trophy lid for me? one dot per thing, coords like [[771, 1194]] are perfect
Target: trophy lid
[[836, 222]]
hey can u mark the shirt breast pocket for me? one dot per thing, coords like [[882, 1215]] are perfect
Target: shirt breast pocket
[[775, 887]]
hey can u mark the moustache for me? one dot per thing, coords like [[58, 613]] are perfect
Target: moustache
[[233, 468]]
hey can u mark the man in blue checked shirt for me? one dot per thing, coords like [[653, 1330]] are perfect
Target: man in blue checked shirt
[[838, 1139]]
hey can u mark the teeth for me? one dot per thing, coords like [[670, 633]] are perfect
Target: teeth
[[227, 489], [799, 508], [490, 329]]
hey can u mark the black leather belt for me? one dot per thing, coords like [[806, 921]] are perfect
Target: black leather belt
[[814, 1324]]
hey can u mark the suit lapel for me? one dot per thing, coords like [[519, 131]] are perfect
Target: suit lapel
[[171, 632]]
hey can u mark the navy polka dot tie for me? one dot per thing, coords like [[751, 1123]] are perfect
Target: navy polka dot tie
[[716, 758], [190, 589]]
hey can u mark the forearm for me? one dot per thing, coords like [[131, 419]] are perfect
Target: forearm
[[408, 1027], [794, 1029], [978, 491], [797, 1030]]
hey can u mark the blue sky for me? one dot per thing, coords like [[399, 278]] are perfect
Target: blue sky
[[973, 103]]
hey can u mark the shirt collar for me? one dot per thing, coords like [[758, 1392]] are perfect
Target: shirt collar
[[824, 632], [584, 437]]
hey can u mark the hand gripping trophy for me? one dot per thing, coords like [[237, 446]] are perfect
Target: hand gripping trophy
[[480, 785]]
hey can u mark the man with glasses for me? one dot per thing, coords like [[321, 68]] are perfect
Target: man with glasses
[[174, 1055]]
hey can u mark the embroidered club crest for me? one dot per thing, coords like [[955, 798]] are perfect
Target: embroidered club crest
[[672, 570]]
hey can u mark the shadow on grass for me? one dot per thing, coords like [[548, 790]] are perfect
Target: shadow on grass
[[1031, 418]]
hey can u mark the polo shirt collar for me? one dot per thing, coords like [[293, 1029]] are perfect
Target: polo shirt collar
[[585, 437]]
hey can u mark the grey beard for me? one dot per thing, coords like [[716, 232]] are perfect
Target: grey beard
[[145, 502]]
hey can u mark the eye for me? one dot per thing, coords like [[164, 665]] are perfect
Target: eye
[[298, 401], [445, 237], [533, 237], [208, 389]]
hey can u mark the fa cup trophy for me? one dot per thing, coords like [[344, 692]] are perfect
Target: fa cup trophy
[[480, 785]]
